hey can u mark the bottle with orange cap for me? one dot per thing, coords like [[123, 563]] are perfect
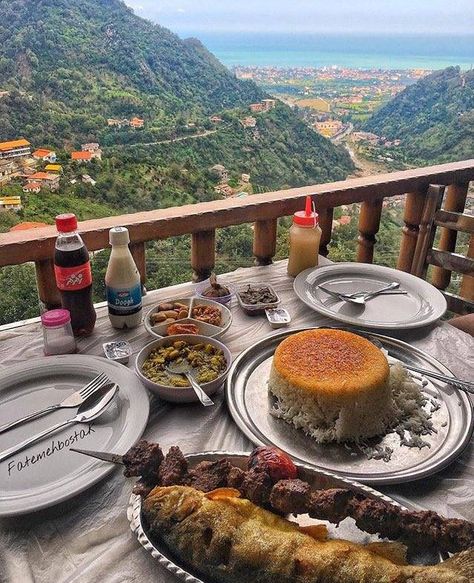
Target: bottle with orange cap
[[305, 236]]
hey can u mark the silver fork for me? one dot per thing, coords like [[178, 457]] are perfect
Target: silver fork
[[73, 400], [361, 297], [466, 386]]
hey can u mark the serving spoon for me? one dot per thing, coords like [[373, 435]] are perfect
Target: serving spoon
[[92, 408], [185, 369]]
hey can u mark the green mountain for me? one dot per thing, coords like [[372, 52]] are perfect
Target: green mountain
[[69, 65], [434, 118]]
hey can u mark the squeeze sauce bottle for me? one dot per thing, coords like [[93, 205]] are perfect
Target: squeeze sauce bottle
[[305, 236]]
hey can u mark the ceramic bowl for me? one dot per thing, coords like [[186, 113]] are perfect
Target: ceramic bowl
[[181, 395], [208, 330], [203, 285]]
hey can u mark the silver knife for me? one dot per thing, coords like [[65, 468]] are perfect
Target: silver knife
[[115, 458]]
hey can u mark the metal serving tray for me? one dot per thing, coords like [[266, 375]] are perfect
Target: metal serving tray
[[316, 478], [250, 404]]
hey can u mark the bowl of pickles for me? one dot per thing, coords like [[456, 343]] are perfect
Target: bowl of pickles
[[209, 359]]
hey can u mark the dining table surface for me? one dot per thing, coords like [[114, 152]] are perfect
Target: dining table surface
[[88, 539]]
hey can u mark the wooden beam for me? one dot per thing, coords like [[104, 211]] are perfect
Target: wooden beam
[[48, 293], [33, 245], [451, 261], [369, 224], [455, 221], [467, 283], [414, 204], [139, 256], [325, 222], [458, 304], [455, 201], [426, 232], [264, 241], [203, 252]]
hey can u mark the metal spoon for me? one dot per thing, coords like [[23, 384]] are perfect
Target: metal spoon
[[360, 298], [185, 368], [92, 408]]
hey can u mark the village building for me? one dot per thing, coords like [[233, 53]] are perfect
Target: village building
[[256, 107], [86, 179], [268, 104], [248, 122], [81, 157], [221, 172], [245, 178], [136, 122], [53, 168], [27, 225], [32, 187], [15, 149], [46, 179], [44, 155], [328, 128], [94, 149], [224, 189], [113, 122], [7, 169], [12, 203], [215, 119]]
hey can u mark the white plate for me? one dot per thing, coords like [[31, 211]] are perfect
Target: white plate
[[37, 477], [422, 305]]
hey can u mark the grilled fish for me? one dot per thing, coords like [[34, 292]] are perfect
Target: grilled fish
[[227, 539]]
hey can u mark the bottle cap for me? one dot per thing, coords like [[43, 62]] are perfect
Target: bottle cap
[[308, 217], [66, 223], [54, 318], [119, 236]]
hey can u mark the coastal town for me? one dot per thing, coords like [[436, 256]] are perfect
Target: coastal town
[[334, 100]]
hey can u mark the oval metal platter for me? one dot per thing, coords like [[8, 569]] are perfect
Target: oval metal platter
[[318, 479], [250, 405]]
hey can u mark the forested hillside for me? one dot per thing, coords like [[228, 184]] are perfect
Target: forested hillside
[[70, 64], [434, 119]]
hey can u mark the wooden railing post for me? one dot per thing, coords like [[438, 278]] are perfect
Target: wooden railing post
[[427, 230], [467, 283], [203, 253], [325, 222], [455, 201], [48, 293], [414, 204], [369, 224], [138, 253], [264, 241]]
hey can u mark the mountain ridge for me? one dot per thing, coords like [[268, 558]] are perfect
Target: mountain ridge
[[434, 118]]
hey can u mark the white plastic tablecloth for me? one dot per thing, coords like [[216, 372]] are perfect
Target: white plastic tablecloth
[[88, 539]]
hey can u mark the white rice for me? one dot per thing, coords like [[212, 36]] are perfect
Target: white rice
[[339, 420]]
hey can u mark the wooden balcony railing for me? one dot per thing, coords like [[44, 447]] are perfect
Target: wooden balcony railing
[[201, 220]]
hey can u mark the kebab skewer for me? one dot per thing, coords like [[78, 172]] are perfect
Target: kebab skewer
[[271, 481]]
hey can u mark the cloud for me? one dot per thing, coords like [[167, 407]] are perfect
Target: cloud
[[181, 10]]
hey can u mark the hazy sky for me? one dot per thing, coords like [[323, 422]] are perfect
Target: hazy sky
[[187, 17]]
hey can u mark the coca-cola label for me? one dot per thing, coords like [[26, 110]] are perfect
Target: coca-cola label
[[73, 278]]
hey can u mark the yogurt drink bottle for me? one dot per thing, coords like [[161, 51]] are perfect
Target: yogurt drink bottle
[[122, 282]]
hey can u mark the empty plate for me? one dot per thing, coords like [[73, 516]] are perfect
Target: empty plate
[[422, 304]]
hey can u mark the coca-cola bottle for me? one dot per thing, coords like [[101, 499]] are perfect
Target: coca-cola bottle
[[72, 269]]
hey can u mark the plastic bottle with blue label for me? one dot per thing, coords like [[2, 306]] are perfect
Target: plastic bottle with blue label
[[122, 281]]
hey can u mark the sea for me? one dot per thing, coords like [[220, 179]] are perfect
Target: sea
[[351, 51]]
